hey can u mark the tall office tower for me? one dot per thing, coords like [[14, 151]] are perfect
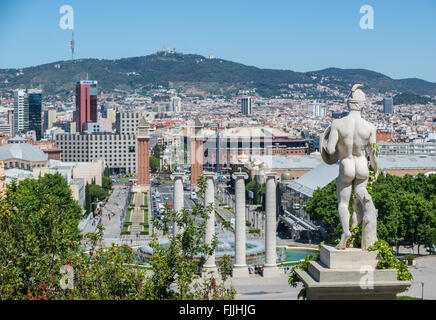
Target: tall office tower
[[317, 109], [21, 111], [388, 105], [49, 118], [111, 115], [176, 104], [86, 103], [35, 123], [246, 105], [11, 121]]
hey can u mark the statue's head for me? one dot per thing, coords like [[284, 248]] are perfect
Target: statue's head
[[356, 100]]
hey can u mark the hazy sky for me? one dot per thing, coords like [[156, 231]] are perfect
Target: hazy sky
[[300, 35]]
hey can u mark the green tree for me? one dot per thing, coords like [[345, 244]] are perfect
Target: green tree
[[106, 183], [38, 234], [323, 207], [174, 268], [154, 163]]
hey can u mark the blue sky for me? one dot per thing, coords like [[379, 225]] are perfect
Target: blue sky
[[300, 35]]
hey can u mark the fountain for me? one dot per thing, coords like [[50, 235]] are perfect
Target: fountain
[[255, 251]]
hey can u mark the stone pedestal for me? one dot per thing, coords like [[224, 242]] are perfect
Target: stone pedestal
[[349, 275], [240, 272]]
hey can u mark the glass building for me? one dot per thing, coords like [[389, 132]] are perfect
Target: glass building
[[388, 105], [35, 123]]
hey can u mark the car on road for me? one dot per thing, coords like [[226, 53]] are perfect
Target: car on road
[[431, 249]]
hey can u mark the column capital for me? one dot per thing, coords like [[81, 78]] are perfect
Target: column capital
[[210, 175], [272, 175], [239, 175], [177, 175]]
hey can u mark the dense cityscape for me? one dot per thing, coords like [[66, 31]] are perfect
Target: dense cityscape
[[178, 189]]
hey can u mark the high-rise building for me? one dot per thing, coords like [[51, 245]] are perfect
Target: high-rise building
[[11, 121], [35, 123], [388, 105], [86, 103], [49, 118], [317, 109], [21, 111], [246, 106], [118, 150], [176, 104]]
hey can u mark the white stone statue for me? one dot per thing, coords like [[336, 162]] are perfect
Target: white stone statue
[[348, 140]]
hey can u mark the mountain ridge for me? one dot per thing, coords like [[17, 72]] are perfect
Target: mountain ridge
[[199, 74]]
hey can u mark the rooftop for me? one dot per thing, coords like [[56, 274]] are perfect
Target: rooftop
[[22, 151]]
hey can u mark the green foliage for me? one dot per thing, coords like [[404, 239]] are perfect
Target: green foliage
[[154, 163], [102, 274], [94, 193], [257, 189], [212, 76], [226, 267], [323, 207], [356, 237], [157, 151], [293, 278], [174, 268], [388, 260], [410, 98], [38, 234], [409, 258], [406, 208], [106, 183], [407, 298]]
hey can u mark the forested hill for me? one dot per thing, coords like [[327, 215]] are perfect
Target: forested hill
[[197, 74]]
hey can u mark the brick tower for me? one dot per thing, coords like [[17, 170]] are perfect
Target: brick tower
[[196, 137], [143, 154]]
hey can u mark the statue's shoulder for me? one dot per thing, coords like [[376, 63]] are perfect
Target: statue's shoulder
[[336, 123], [369, 125]]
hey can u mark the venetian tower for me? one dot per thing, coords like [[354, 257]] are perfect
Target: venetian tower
[[196, 138], [143, 154]]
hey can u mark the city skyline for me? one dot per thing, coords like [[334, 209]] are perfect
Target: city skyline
[[289, 35]]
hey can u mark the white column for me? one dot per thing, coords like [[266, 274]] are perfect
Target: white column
[[178, 196], [240, 269], [270, 268], [209, 198]]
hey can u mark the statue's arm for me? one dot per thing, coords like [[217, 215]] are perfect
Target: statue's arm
[[332, 140], [373, 156]]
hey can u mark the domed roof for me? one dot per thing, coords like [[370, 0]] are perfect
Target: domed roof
[[286, 175], [22, 151]]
